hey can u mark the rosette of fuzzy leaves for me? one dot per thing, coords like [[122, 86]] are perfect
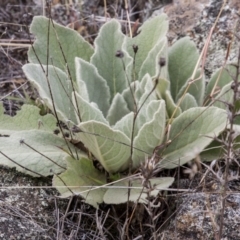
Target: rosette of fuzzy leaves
[[101, 93], [106, 97]]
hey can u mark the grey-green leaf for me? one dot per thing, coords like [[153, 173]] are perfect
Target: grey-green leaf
[[221, 78], [110, 147], [144, 95], [188, 102], [28, 118], [196, 88], [151, 63], [87, 111], [183, 57], [110, 67], [162, 87], [72, 45], [151, 133], [125, 125], [157, 28], [198, 127], [172, 109], [81, 178], [224, 97], [60, 85], [118, 193], [118, 109], [144, 89], [97, 88], [45, 156], [128, 95], [213, 151]]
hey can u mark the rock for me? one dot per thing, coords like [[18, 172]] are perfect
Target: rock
[[199, 215], [196, 18]]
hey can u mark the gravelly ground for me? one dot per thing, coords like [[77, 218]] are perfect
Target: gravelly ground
[[33, 213]]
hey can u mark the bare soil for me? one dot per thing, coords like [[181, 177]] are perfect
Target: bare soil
[[31, 209]]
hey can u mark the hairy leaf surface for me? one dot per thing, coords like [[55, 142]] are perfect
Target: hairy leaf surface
[[96, 87], [110, 147], [81, 178], [60, 87], [191, 132], [47, 46], [151, 133], [110, 67], [118, 193], [183, 57]]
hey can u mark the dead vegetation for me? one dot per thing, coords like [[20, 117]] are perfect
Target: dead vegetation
[[203, 203]]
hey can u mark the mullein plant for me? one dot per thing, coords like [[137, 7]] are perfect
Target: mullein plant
[[133, 105]]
